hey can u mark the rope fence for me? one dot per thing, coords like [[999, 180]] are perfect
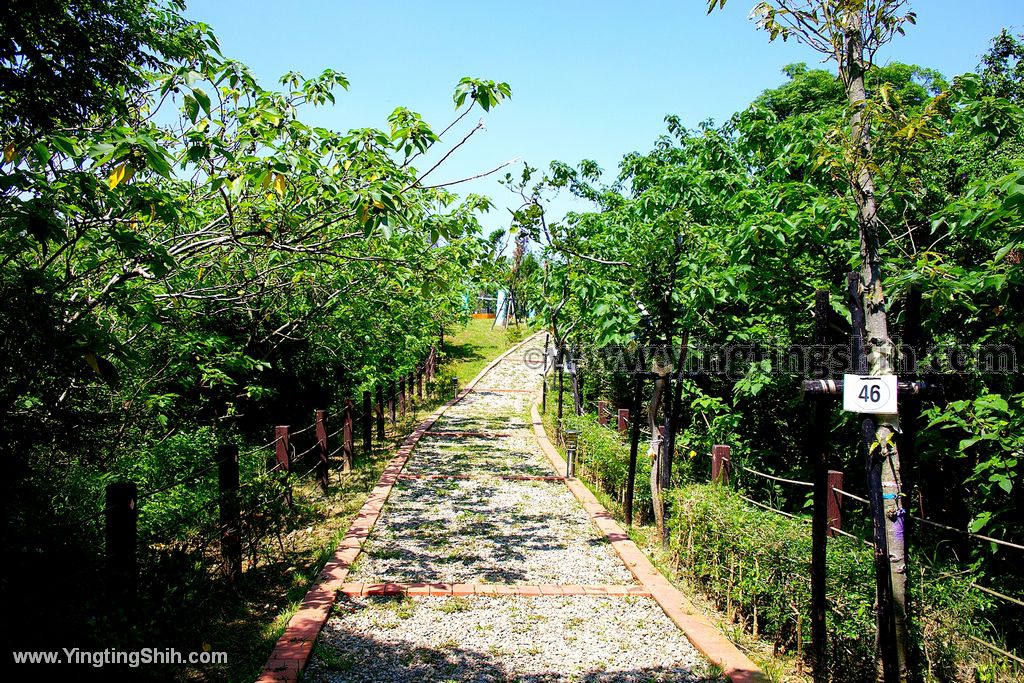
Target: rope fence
[[837, 530], [266, 493]]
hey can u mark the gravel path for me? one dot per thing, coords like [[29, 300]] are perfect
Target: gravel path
[[489, 529], [528, 639]]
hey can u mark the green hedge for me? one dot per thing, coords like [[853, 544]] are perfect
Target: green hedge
[[754, 564], [604, 462]]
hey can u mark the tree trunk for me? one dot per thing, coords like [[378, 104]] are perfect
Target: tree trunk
[[880, 349], [577, 383], [656, 450], [673, 411]]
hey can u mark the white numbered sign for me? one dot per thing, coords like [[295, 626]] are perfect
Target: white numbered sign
[[869, 394]]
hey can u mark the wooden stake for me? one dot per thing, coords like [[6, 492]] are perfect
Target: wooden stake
[[367, 423], [347, 450], [230, 532], [122, 569], [283, 460], [322, 466]]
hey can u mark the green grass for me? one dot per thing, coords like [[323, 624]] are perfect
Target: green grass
[[473, 347]]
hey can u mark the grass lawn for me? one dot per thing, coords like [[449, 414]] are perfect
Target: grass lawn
[[473, 347]]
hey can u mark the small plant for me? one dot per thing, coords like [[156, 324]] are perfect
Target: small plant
[[334, 660], [452, 605]]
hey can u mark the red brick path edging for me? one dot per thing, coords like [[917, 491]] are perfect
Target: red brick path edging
[[488, 589], [704, 636], [295, 645]]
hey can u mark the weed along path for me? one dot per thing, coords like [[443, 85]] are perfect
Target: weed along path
[[482, 565]]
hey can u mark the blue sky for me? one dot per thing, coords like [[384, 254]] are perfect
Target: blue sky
[[590, 80]]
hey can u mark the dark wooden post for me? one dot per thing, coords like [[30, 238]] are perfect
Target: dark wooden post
[[544, 377], [401, 394], [380, 412], [367, 423], [419, 383], [835, 501], [561, 388], [577, 383], [623, 420], [885, 617], [410, 385], [348, 454], [283, 460], [430, 363], [602, 412], [455, 388], [122, 513], [634, 445], [391, 401], [230, 533], [720, 464], [322, 465], [817, 440]]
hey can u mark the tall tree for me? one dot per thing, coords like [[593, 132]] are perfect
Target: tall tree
[[851, 32]]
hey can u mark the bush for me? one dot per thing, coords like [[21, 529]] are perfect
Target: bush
[[604, 462], [755, 564]]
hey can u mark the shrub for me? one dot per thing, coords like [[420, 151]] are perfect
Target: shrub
[[604, 461], [755, 564]]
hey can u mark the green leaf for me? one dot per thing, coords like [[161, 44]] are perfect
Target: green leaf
[[203, 99], [191, 107]]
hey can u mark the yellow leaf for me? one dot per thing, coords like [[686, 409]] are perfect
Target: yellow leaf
[[121, 174], [8, 152], [266, 181], [377, 203], [279, 183], [348, 164], [90, 358]]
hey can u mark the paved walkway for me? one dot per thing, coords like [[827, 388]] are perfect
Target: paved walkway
[[482, 566]]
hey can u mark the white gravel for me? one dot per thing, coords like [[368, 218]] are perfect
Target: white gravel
[[490, 529], [528, 639], [486, 530]]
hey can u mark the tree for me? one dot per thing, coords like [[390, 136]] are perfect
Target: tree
[[850, 32], [184, 254], [64, 61]]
